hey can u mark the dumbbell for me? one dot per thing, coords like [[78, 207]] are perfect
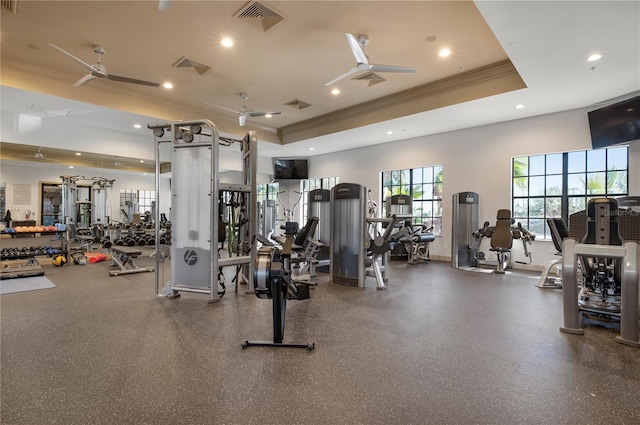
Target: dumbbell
[[106, 242], [128, 241]]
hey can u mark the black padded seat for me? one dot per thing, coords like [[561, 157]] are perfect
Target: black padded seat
[[559, 232], [307, 231]]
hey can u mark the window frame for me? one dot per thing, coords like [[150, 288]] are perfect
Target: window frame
[[413, 182], [579, 172]]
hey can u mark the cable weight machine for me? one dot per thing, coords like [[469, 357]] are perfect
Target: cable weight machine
[[195, 210]]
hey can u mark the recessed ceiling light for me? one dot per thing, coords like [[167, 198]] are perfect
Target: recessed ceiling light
[[335, 91], [142, 161], [167, 85], [226, 42], [70, 166], [389, 132], [268, 115], [312, 149], [78, 154], [443, 53], [594, 57], [137, 126], [519, 106]]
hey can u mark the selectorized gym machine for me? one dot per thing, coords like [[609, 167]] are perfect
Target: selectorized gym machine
[[196, 211], [467, 237], [411, 240], [358, 248], [610, 275], [267, 223], [502, 236], [68, 206], [465, 222], [320, 206]]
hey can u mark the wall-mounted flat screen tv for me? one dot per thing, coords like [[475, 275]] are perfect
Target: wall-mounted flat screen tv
[[617, 123], [290, 169]]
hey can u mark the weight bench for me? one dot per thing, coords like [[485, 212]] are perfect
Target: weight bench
[[86, 243], [122, 257]]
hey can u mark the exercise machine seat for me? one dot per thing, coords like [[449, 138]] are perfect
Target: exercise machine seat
[[559, 232], [501, 238], [307, 231]]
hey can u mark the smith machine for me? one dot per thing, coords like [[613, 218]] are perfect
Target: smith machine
[[196, 209]]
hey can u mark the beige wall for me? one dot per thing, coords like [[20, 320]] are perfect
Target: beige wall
[[476, 159]]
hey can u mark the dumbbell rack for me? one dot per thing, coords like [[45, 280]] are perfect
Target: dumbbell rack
[[32, 252]]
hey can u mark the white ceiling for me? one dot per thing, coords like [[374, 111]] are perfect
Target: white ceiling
[[547, 43]]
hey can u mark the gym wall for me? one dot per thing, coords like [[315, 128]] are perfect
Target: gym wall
[[476, 159]]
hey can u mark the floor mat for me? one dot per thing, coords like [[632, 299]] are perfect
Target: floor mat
[[10, 286]]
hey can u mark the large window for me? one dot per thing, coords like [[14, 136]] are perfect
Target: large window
[[133, 201], [267, 191], [424, 185], [557, 185]]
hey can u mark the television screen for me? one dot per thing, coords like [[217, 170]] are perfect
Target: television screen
[[617, 123], [287, 169]]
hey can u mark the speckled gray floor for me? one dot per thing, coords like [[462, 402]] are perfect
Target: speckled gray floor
[[440, 346]]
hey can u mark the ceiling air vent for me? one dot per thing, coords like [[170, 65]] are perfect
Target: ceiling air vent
[[371, 77], [297, 104], [185, 62], [260, 15], [10, 5]]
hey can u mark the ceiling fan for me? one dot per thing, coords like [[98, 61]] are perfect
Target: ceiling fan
[[39, 155], [98, 70], [362, 62], [115, 164], [243, 113]]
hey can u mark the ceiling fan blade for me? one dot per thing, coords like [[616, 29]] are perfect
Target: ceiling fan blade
[[78, 60], [262, 114], [39, 158], [345, 75], [391, 68], [112, 165], [356, 49], [121, 79], [84, 80], [242, 119]]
